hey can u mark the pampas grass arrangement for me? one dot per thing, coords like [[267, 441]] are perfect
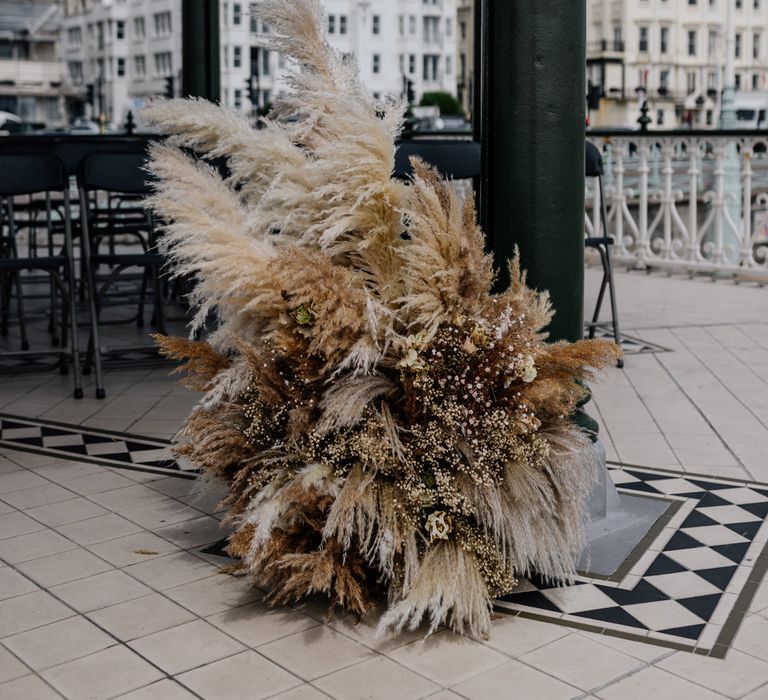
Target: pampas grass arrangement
[[385, 424]]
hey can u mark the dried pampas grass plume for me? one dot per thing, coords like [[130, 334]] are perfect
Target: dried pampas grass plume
[[385, 425]]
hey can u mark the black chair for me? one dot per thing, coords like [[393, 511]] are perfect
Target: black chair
[[452, 158], [111, 185], [603, 245], [41, 174]]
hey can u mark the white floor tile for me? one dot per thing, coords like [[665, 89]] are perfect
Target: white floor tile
[[141, 617], [186, 647], [245, 675]]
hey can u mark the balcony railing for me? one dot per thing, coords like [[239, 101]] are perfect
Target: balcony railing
[[694, 201]]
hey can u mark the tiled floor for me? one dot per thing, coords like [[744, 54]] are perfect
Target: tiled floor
[[104, 591]]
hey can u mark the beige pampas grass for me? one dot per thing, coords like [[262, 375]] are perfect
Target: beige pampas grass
[[385, 424]]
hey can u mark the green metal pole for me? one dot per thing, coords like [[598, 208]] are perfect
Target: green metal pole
[[200, 52], [532, 131]]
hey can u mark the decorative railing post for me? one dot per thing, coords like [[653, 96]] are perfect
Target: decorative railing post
[[692, 247], [643, 247], [746, 209]]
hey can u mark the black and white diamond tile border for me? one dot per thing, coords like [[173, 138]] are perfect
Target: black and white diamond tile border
[[83, 444], [630, 344], [688, 589], [692, 586]]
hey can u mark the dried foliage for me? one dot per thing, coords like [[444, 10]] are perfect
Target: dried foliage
[[382, 419]]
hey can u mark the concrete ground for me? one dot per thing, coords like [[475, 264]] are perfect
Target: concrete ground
[[104, 591]]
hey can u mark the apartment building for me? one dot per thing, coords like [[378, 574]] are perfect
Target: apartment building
[[128, 50], [671, 52], [32, 83], [465, 53]]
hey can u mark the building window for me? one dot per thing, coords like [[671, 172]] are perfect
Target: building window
[[237, 13], [139, 66], [411, 64], [756, 45], [74, 36], [401, 63], [120, 29], [237, 56], [712, 80], [659, 117], [163, 63], [755, 81], [756, 4], [76, 72], [712, 43], [737, 45], [691, 42], [138, 27], [642, 44], [342, 24], [739, 4], [463, 65], [412, 25], [162, 23], [691, 2], [238, 101], [738, 81], [690, 79], [376, 24], [709, 117], [120, 67], [265, 61], [664, 80], [463, 30], [430, 64], [331, 24], [400, 25], [448, 65], [376, 63], [664, 40], [448, 27]]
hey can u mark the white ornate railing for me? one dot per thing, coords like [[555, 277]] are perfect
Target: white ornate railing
[[690, 201]]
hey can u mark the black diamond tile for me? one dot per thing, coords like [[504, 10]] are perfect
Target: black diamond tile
[[748, 530], [758, 509], [701, 605], [664, 565], [710, 499], [92, 439], [532, 599], [617, 615], [690, 632], [77, 449], [681, 540], [643, 592], [720, 576], [648, 476], [734, 552], [118, 456], [696, 519], [709, 485], [36, 441], [640, 486], [12, 425]]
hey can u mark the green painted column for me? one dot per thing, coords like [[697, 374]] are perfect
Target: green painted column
[[531, 126], [200, 52]]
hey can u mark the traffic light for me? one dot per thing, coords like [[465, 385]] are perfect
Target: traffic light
[[170, 86], [90, 94], [410, 93]]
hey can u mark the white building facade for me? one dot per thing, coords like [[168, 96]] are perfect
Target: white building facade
[[129, 50], [672, 52]]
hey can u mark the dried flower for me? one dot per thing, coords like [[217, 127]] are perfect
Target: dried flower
[[439, 525]]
